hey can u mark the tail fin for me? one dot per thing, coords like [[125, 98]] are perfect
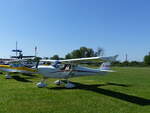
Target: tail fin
[[105, 67]]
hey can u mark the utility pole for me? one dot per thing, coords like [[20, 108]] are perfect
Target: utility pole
[[35, 51], [126, 57]]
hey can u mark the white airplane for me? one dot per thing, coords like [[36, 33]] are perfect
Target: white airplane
[[65, 69]]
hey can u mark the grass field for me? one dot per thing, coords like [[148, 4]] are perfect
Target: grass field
[[125, 91]]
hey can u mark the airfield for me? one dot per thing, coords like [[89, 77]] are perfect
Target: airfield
[[125, 91]]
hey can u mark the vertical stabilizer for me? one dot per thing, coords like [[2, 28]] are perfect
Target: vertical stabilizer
[[106, 67]]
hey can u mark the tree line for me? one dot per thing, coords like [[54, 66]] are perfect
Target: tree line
[[145, 62], [84, 52]]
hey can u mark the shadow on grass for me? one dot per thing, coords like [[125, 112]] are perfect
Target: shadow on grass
[[95, 88], [20, 79], [116, 84], [29, 75]]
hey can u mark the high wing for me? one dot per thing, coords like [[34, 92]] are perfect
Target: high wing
[[79, 60], [18, 66], [19, 60]]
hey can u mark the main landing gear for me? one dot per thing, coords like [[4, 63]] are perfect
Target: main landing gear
[[42, 84], [59, 82], [7, 76], [68, 85]]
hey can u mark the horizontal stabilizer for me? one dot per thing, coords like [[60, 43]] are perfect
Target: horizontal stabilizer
[[108, 71]]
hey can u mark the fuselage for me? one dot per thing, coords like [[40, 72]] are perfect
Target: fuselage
[[15, 69], [53, 72]]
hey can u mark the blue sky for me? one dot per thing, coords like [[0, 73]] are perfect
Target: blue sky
[[60, 26]]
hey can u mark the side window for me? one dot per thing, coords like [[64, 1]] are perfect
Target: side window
[[68, 67]]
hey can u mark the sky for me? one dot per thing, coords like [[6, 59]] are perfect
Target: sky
[[60, 26]]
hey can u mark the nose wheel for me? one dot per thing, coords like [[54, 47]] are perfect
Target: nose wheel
[[42, 84], [59, 82], [7, 76], [69, 85]]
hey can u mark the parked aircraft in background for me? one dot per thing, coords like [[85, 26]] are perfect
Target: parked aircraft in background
[[18, 66]]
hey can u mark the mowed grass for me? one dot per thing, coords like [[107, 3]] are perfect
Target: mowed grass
[[125, 91]]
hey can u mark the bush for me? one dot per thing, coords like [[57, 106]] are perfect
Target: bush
[[147, 60]]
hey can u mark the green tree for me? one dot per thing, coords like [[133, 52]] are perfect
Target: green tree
[[55, 57], [99, 52], [46, 58], [125, 63], [116, 63], [147, 60], [68, 56], [76, 54], [82, 52], [37, 59], [86, 52]]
